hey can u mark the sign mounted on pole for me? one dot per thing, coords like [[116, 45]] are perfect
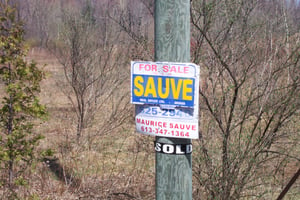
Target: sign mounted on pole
[[164, 83], [166, 98]]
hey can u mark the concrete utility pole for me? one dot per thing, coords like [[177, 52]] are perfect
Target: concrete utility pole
[[172, 44]]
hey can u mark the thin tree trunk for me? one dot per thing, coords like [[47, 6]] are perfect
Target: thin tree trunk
[[289, 185], [9, 132]]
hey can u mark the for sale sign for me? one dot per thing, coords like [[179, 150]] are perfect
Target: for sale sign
[[164, 83], [166, 95]]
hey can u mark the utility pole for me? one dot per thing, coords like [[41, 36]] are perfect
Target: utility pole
[[172, 44]]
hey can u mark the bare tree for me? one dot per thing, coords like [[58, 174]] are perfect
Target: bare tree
[[136, 20], [251, 98], [93, 68], [41, 20]]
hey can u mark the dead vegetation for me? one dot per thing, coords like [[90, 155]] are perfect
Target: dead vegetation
[[116, 165], [237, 103]]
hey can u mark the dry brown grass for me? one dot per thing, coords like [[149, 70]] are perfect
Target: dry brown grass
[[116, 165]]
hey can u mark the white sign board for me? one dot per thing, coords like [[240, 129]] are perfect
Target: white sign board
[[166, 97]]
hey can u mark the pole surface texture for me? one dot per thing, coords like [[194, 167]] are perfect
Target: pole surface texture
[[172, 44]]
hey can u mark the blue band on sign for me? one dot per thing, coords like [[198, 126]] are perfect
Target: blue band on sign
[[178, 149]]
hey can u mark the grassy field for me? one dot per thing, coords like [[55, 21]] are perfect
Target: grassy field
[[116, 165], [119, 164]]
